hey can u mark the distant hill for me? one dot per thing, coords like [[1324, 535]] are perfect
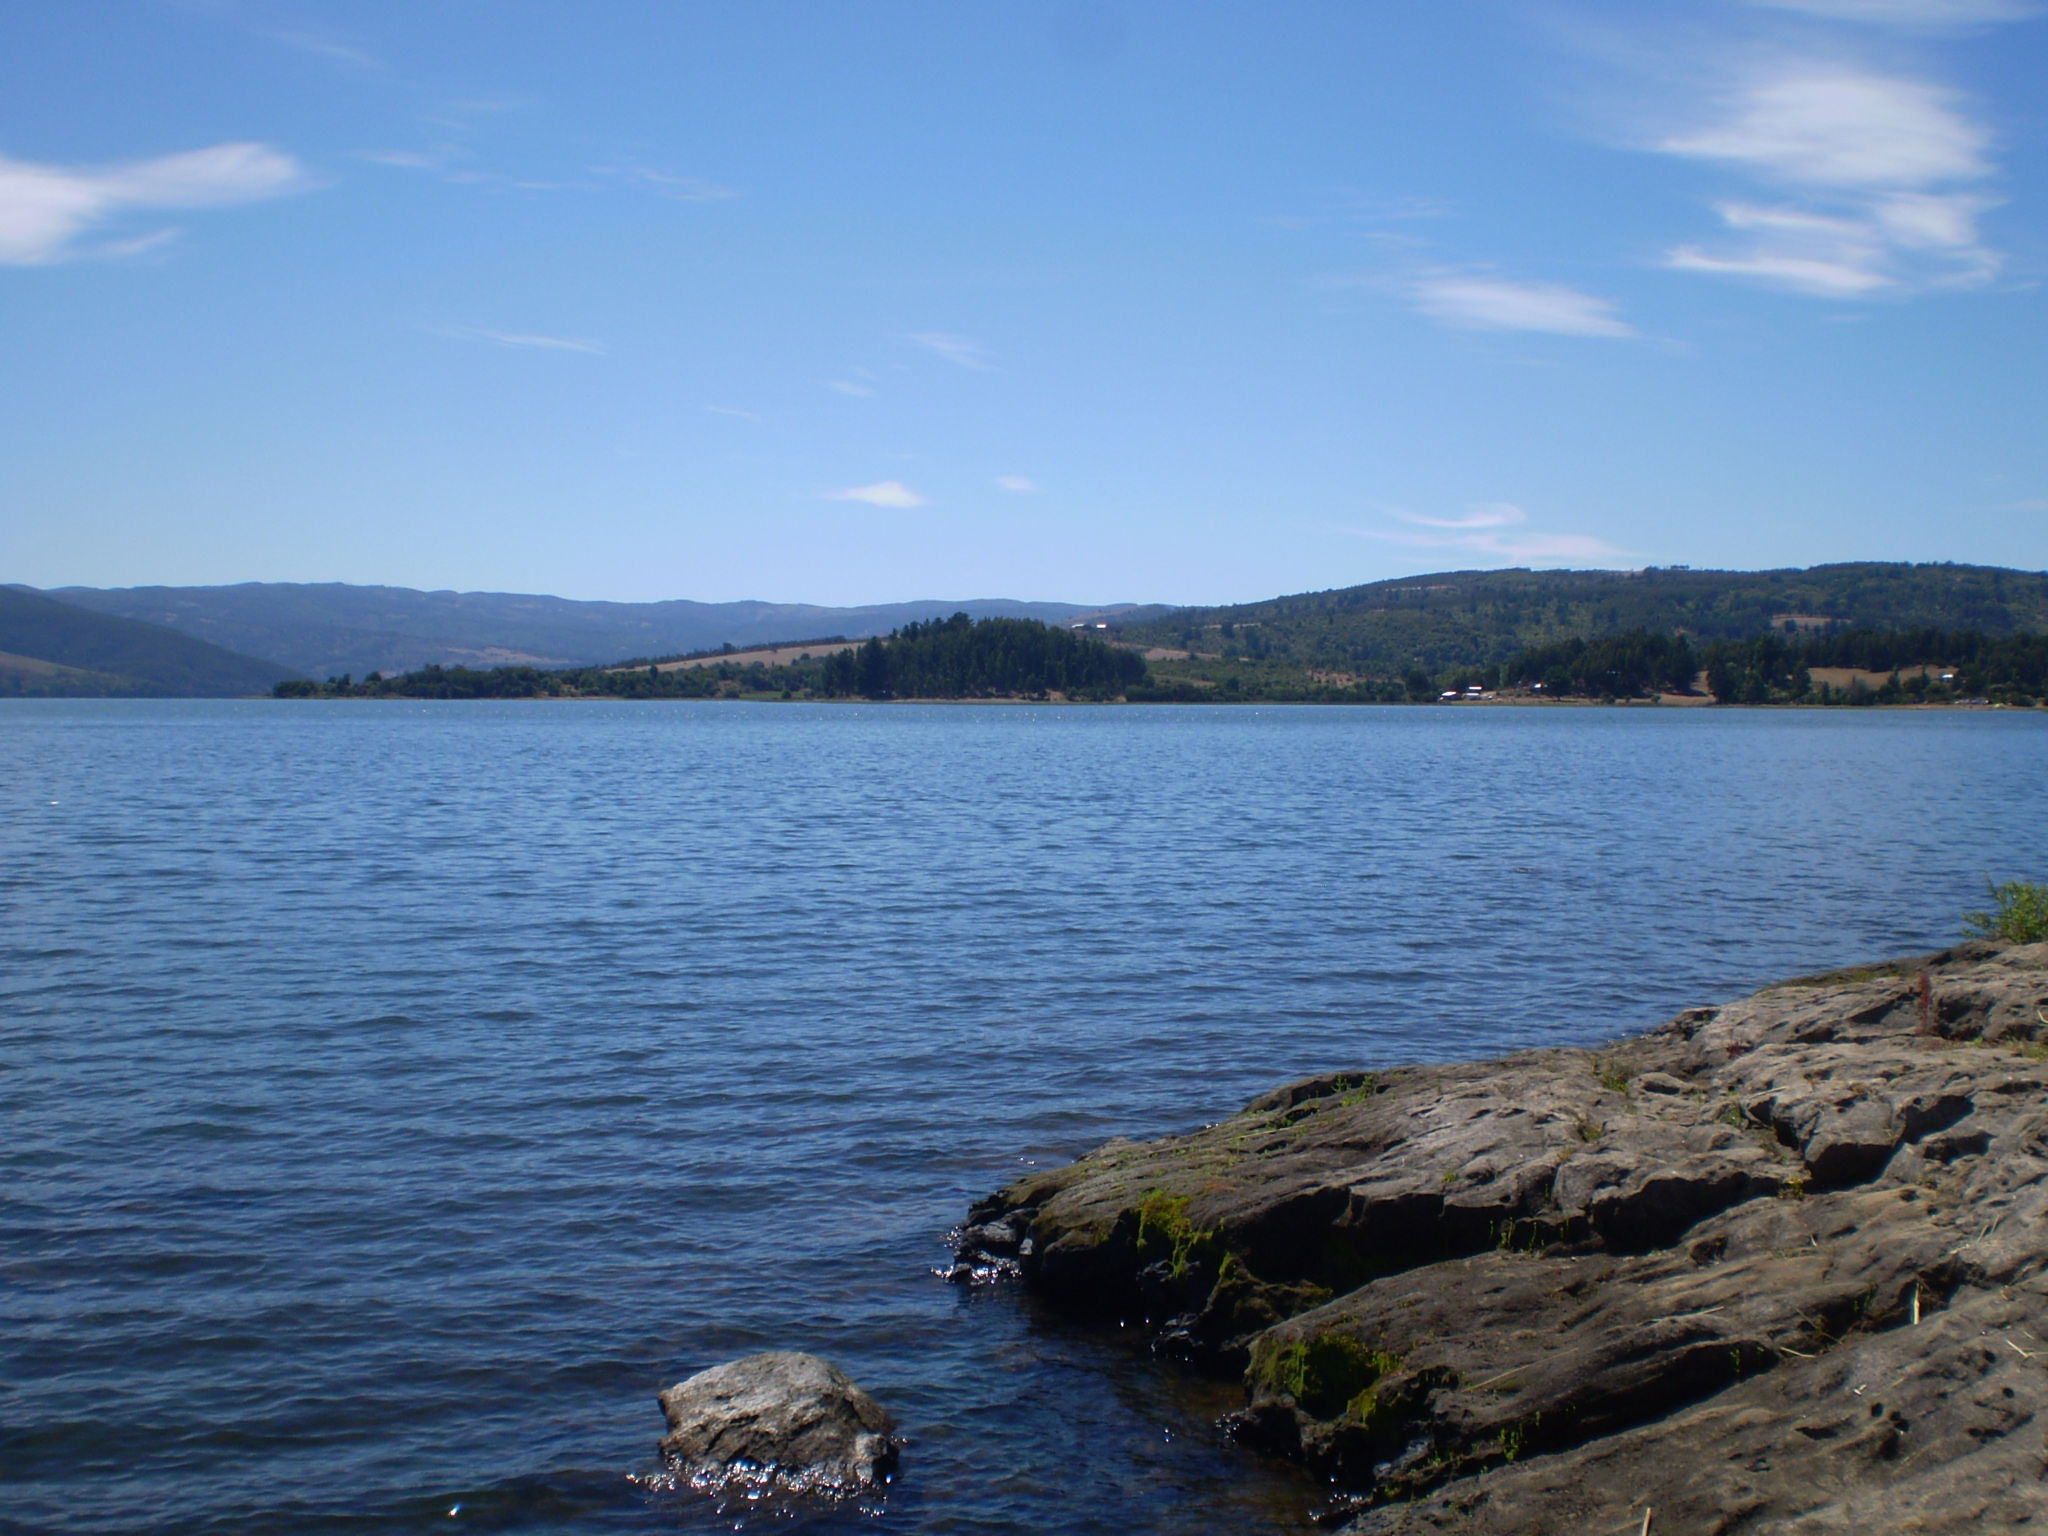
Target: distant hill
[[330, 628], [56, 650], [1477, 618]]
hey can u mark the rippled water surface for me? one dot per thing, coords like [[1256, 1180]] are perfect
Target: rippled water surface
[[395, 1096]]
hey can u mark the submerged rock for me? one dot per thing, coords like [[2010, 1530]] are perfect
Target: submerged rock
[[779, 1422], [1780, 1265]]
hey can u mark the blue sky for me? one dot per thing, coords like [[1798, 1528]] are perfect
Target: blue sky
[[854, 301]]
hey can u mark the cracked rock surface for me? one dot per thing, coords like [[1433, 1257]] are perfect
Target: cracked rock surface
[[1776, 1266]]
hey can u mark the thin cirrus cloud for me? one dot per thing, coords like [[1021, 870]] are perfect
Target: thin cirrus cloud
[[525, 340], [961, 351], [883, 493], [47, 212], [1483, 531], [1924, 15], [1022, 485], [1478, 302], [681, 189], [1878, 182], [325, 46]]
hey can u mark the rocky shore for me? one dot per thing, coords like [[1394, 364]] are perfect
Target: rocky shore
[[1775, 1266]]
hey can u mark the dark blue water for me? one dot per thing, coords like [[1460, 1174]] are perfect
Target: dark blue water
[[396, 1096]]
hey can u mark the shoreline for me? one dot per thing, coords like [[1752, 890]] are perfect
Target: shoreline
[[1781, 1260], [1638, 705]]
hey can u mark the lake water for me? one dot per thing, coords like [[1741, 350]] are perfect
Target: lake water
[[396, 1096]]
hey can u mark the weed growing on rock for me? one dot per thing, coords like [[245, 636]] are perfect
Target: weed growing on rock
[[1515, 1438], [1164, 1232], [1356, 1090], [1613, 1077], [1519, 1234], [2019, 913]]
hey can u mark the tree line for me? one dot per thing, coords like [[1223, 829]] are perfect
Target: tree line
[[1924, 665], [954, 658], [958, 658]]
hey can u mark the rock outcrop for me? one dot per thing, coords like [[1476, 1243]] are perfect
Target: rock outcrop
[[1780, 1265], [780, 1422]]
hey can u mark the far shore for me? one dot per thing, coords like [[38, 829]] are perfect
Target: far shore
[[1509, 701]]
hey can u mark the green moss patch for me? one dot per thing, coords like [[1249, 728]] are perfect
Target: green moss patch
[[1328, 1374]]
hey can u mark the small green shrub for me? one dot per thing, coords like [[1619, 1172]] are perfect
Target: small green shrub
[[2019, 914]]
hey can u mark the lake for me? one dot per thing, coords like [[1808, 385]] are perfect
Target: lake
[[398, 1095]]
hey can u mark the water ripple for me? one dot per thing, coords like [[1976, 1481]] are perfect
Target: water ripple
[[399, 1095]]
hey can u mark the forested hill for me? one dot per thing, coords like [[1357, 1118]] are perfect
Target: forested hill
[[956, 658], [52, 649], [1477, 618], [329, 628]]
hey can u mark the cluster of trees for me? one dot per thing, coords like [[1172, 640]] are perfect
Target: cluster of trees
[[958, 658], [634, 680], [1627, 666], [1775, 669]]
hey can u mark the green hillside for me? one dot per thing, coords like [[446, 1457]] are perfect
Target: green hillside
[[326, 629], [54, 650], [1480, 618]]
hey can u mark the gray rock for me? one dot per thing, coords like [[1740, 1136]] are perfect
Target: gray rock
[[1777, 1265], [780, 1421]]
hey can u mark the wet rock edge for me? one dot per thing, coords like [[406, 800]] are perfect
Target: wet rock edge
[[1781, 1264]]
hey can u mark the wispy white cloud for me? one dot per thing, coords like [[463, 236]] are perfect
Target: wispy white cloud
[[325, 45], [1835, 126], [1350, 207], [47, 210], [448, 163], [960, 350], [1022, 485], [1919, 15], [259, 20], [524, 339], [1485, 514], [733, 411], [681, 189], [854, 387], [883, 493], [1485, 303], [1882, 165], [139, 245], [1480, 531], [437, 159]]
